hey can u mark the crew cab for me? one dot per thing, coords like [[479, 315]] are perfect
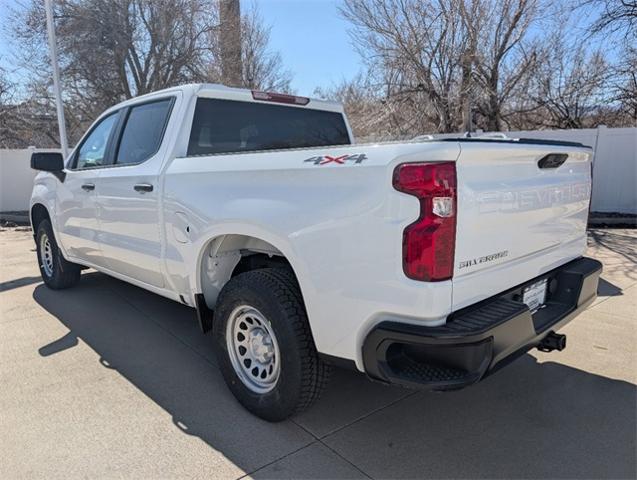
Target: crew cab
[[430, 263]]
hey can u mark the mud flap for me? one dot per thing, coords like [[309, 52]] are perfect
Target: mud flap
[[204, 314]]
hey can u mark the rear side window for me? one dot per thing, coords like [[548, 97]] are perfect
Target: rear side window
[[223, 126], [143, 131]]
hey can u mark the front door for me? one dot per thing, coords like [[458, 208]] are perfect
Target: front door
[[77, 213], [129, 192]]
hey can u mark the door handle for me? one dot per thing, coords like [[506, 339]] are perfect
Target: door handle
[[88, 187], [143, 187]]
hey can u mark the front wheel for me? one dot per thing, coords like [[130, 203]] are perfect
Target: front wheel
[[264, 345], [56, 271]]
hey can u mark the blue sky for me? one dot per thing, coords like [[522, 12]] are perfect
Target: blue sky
[[312, 39], [310, 35]]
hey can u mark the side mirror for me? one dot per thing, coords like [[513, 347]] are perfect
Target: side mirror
[[47, 162]]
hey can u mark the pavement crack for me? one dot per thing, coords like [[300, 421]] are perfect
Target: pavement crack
[[349, 424], [319, 440], [278, 459], [368, 414]]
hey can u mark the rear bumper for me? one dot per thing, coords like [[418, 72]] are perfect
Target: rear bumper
[[480, 339]]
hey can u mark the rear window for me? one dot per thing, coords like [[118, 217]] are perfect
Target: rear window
[[224, 126]]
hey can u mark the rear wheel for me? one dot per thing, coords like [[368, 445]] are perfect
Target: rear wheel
[[56, 272], [264, 345]]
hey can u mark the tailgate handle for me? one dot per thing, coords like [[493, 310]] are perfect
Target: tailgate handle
[[552, 160]]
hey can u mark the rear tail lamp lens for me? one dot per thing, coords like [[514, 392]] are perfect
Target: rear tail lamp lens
[[429, 243]]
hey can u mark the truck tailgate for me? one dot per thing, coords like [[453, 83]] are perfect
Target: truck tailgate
[[517, 217]]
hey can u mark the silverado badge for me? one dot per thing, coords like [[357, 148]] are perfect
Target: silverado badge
[[486, 258]]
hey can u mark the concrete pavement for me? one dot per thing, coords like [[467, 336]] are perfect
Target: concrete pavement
[[107, 380]]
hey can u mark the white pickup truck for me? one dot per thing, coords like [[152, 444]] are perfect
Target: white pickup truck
[[428, 264]]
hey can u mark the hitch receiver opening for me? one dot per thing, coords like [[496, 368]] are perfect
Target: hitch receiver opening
[[553, 341]]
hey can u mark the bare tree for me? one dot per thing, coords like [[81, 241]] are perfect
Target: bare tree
[[111, 50], [617, 20], [501, 57], [9, 121], [617, 16], [261, 68], [412, 49], [371, 117], [24, 122], [625, 87], [570, 84], [447, 58]]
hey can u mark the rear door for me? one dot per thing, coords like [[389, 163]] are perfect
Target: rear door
[[129, 193], [522, 210]]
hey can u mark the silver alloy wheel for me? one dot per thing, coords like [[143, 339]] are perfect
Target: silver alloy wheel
[[253, 349], [46, 254]]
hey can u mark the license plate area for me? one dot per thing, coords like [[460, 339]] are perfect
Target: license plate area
[[534, 295]]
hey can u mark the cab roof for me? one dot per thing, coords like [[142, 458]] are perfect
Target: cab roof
[[215, 90]]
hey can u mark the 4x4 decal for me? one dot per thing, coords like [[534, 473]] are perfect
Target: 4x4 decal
[[356, 158]]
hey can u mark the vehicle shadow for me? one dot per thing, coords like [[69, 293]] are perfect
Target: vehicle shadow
[[19, 282], [608, 289], [528, 420]]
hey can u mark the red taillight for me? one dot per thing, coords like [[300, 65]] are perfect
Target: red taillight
[[429, 243], [279, 98]]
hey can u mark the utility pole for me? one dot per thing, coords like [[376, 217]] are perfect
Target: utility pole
[[53, 51], [230, 39], [467, 84]]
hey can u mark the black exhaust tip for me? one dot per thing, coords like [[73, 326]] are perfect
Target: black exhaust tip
[[553, 341]]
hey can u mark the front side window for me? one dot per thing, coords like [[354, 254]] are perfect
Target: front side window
[[143, 132], [224, 126], [93, 149]]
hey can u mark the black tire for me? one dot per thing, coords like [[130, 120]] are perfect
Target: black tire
[[275, 293], [59, 273]]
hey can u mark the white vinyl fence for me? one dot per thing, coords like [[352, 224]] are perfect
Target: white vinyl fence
[[614, 171], [614, 164], [16, 178]]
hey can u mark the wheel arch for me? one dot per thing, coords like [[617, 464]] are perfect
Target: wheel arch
[[38, 213], [229, 254]]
